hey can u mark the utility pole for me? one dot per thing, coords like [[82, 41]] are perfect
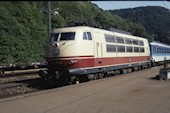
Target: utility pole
[[49, 18]]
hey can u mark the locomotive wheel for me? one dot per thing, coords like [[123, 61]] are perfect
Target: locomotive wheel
[[121, 71], [71, 80], [109, 73], [142, 67], [129, 70], [125, 71], [149, 65], [133, 69], [154, 64], [117, 72], [91, 77], [100, 75], [139, 68]]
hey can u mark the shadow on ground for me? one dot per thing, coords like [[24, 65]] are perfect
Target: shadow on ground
[[155, 77], [40, 84]]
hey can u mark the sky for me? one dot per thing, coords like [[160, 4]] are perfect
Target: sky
[[111, 5]]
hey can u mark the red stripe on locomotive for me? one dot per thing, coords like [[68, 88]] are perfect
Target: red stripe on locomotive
[[85, 62]]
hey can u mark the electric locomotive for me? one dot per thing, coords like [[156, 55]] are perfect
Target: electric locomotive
[[79, 51]]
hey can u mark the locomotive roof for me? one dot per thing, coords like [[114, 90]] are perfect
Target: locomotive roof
[[116, 32], [88, 27], [159, 44]]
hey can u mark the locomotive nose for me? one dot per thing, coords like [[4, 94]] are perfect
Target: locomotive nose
[[56, 51]]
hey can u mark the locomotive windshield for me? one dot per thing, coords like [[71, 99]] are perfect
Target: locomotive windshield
[[67, 36], [62, 36], [54, 37]]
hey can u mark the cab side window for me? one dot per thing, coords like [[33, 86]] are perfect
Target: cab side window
[[87, 36]]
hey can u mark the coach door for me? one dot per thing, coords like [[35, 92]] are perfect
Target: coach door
[[99, 54]]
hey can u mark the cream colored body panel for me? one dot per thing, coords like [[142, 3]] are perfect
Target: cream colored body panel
[[95, 47]]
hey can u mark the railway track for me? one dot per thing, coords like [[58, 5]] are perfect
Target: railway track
[[17, 88], [6, 68], [15, 73], [37, 84]]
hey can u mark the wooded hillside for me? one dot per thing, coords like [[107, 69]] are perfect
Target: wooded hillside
[[155, 19], [24, 26]]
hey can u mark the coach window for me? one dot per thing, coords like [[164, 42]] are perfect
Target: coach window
[[136, 49], [142, 50], [87, 36], [109, 38], [111, 48], [157, 50], [121, 48], [141, 43], [120, 40], [167, 50], [162, 50], [128, 41], [129, 49], [135, 42], [154, 49]]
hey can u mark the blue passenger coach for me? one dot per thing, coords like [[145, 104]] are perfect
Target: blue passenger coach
[[159, 52]]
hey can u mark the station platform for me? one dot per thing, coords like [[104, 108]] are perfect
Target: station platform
[[137, 92]]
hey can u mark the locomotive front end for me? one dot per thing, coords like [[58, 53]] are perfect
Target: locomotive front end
[[65, 55], [60, 49]]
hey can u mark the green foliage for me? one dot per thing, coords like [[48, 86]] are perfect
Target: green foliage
[[156, 20], [24, 26], [23, 33]]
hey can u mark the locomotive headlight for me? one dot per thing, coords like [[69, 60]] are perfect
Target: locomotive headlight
[[71, 62], [56, 44]]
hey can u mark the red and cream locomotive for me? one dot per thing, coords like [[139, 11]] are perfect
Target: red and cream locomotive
[[79, 51]]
